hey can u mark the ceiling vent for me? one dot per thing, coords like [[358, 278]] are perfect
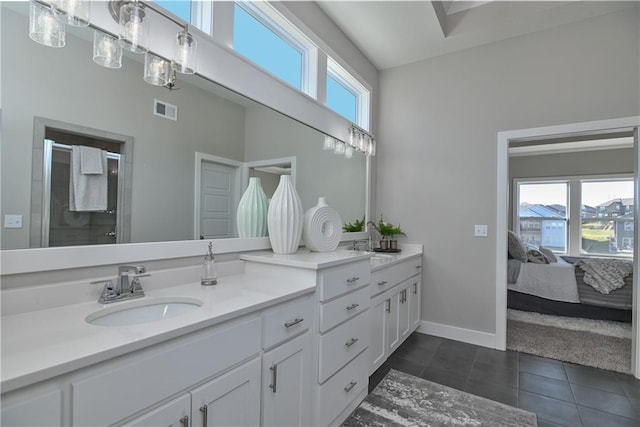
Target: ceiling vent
[[163, 109]]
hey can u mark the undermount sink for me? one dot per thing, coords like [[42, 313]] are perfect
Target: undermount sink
[[143, 311]]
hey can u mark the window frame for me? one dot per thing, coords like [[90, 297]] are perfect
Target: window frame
[[201, 15], [355, 87]]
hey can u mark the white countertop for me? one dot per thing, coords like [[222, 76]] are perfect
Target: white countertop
[[307, 259], [41, 344], [382, 260]]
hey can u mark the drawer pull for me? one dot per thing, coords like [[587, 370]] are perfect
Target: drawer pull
[[293, 322], [415, 288], [389, 305], [404, 296], [205, 411], [353, 280], [384, 282], [350, 387], [351, 342], [352, 306], [274, 378], [184, 421], [418, 266]]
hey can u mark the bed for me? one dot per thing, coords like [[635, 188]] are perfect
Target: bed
[[559, 288]]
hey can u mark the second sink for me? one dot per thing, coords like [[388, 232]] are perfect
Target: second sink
[[143, 311]]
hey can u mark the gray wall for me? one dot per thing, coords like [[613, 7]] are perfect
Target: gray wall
[[36, 82], [438, 128]]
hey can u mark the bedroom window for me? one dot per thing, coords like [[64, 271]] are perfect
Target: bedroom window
[[542, 214]]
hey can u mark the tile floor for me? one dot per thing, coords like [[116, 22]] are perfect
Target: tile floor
[[560, 393]]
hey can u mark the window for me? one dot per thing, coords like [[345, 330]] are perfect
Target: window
[[605, 210], [346, 95], [197, 13], [266, 38]]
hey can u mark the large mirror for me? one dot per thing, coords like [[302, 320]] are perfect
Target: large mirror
[[56, 98]]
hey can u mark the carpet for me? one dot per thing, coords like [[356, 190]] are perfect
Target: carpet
[[404, 400], [597, 343]]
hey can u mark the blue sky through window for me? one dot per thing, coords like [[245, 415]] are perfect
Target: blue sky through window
[[340, 100], [180, 8], [262, 46]]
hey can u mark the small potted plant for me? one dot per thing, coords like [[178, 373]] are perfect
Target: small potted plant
[[358, 225], [387, 231]]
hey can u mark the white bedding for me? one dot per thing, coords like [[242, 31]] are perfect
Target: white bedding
[[555, 281]]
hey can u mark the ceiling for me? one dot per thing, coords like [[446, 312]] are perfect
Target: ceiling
[[394, 33]]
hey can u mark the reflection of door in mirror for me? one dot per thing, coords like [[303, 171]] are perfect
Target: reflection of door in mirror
[[71, 227]]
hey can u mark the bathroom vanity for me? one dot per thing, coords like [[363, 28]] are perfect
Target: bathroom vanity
[[286, 340]]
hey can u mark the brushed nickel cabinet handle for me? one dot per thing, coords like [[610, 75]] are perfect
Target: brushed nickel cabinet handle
[[274, 378], [353, 279], [418, 266], [384, 282], [352, 306], [351, 385], [293, 322], [351, 342], [389, 305], [205, 411], [415, 288], [185, 421]]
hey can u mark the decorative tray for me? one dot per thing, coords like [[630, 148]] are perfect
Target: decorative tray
[[388, 251]]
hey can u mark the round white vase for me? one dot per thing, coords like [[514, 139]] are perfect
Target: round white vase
[[322, 228], [251, 218], [285, 217]]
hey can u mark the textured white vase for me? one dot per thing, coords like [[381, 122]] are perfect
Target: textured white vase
[[322, 228], [285, 217], [251, 217]]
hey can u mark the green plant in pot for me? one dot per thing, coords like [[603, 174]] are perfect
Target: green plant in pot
[[387, 231], [356, 226]]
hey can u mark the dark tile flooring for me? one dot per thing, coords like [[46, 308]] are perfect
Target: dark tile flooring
[[560, 393]]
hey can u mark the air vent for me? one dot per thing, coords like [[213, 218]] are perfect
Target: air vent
[[163, 109]]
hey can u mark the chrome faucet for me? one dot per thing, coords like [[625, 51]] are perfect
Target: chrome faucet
[[127, 285]]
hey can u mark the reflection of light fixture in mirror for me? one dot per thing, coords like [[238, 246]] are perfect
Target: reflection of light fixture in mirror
[[329, 143], [157, 71], [348, 151], [107, 51], [72, 12], [44, 28], [340, 148], [134, 27], [371, 148], [184, 54]]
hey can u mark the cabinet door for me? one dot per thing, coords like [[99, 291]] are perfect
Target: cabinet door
[[393, 314], [415, 292], [404, 324], [286, 384], [172, 414], [378, 342], [42, 410], [229, 400]]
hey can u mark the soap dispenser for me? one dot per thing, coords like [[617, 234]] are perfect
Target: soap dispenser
[[209, 273]]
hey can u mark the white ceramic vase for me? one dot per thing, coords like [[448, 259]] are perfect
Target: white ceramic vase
[[322, 228], [251, 218], [285, 217]]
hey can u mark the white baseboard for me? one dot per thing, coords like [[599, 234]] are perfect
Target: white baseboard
[[470, 336]]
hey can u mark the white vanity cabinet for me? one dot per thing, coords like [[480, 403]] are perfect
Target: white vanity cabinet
[[395, 307], [33, 408]]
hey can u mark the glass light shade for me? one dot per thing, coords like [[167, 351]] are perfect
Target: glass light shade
[[44, 28], [157, 71], [107, 51], [352, 136], [371, 148], [362, 142], [329, 144], [73, 12], [184, 53], [348, 151], [134, 28], [340, 148]]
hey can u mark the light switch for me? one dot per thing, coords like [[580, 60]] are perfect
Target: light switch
[[480, 230], [13, 221]]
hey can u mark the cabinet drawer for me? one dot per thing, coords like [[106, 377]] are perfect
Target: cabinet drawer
[[388, 277], [342, 279], [337, 311], [286, 321], [343, 344], [337, 393]]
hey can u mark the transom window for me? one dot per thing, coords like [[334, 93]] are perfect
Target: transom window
[[346, 95], [197, 13]]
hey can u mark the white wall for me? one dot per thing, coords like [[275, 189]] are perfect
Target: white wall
[[438, 127]]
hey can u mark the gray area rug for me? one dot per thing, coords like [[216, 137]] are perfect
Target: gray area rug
[[404, 400], [576, 346]]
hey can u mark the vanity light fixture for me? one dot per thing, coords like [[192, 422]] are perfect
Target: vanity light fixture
[[184, 54], [329, 143], [107, 50], [348, 151], [44, 27], [134, 27], [362, 141], [72, 12], [157, 70], [340, 148]]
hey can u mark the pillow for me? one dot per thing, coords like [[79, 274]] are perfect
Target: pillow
[[549, 254], [537, 257], [515, 247]]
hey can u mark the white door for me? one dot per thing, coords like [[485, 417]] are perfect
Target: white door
[[229, 400], [414, 302], [286, 384], [217, 200], [404, 326], [393, 313], [172, 414], [379, 319]]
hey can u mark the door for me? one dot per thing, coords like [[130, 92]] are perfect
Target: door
[[393, 313], [229, 400], [172, 414], [404, 326], [379, 321], [218, 187], [414, 303], [286, 384]]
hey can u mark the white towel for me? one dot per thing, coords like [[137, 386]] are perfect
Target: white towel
[[87, 192], [91, 160]]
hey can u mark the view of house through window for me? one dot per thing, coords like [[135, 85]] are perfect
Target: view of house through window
[[605, 212]]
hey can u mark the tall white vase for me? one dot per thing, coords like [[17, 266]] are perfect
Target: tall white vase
[[251, 217], [285, 218]]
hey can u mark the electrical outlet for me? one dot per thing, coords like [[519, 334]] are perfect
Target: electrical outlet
[[480, 231]]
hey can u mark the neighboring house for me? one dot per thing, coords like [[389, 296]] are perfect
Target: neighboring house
[[615, 208], [544, 225]]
